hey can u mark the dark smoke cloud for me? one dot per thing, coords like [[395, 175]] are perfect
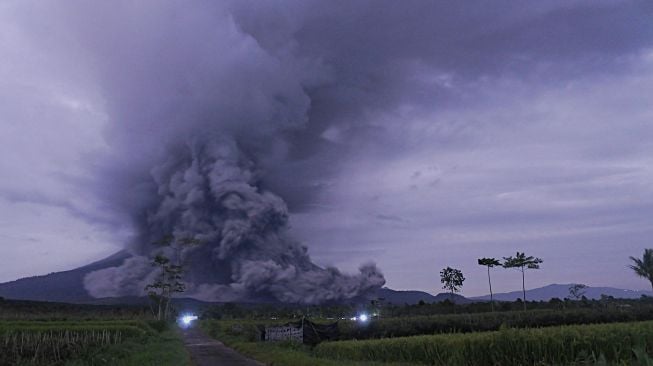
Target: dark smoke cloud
[[198, 110], [208, 190]]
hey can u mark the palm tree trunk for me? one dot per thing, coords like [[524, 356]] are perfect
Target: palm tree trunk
[[523, 285], [489, 280]]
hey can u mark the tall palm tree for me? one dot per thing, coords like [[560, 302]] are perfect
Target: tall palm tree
[[644, 267], [489, 263], [521, 262]]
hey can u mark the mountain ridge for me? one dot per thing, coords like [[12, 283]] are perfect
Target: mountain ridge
[[561, 291], [68, 286]]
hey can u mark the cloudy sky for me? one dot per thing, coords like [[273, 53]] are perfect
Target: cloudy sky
[[411, 134]]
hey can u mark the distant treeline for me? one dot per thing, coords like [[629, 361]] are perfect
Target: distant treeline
[[39, 310], [383, 310]]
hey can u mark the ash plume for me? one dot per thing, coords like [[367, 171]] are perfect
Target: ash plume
[[199, 114], [209, 190]]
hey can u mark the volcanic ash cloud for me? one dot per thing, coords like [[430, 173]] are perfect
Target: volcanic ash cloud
[[199, 113], [211, 191]]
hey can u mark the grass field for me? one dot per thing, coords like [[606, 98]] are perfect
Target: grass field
[[481, 322], [74, 335], [565, 345], [628, 343], [100, 342], [278, 353]]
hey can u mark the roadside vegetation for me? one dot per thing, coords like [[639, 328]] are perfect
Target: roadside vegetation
[[242, 336], [38, 334], [622, 343], [535, 342]]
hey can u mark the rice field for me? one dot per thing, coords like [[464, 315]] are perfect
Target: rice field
[[481, 322], [40, 342], [617, 343]]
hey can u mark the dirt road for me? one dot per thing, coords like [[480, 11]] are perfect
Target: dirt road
[[206, 351]]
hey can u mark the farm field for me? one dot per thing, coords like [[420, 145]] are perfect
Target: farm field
[[610, 336], [616, 343], [52, 334]]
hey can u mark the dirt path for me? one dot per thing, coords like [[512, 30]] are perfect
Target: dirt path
[[206, 351]]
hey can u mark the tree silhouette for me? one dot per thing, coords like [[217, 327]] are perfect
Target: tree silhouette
[[521, 262], [169, 280], [644, 267], [489, 263], [452, 279]]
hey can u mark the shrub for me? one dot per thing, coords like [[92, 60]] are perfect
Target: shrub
[[158, 325]]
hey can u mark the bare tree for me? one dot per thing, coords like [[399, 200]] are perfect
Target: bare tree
[[170, 277]]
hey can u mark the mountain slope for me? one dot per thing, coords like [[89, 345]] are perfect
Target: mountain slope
[[561, 291], [66, 286]]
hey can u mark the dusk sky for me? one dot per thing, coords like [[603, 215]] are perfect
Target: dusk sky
[[415, 135]]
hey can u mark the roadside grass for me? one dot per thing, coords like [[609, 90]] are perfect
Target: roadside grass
[[275, 353], [578, 345], [88, 343], [288, 354], [162, 349]]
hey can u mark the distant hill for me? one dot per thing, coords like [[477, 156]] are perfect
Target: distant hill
[[413, 297], [66, 286], [561, 291]]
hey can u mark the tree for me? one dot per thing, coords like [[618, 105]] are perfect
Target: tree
[[489, 263], [644, 267], [521, 262], [577, 291], [169, 280], [452, 279]]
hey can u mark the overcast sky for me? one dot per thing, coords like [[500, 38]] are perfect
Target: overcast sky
[[428, 134]]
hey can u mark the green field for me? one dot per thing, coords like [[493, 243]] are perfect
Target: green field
[[52, 334], [240, 336], [548, 346], [482, 322], [74, 335], [509, 338]]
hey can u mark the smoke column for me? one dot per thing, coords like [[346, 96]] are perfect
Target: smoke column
[[208, 190], [198, 110]]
